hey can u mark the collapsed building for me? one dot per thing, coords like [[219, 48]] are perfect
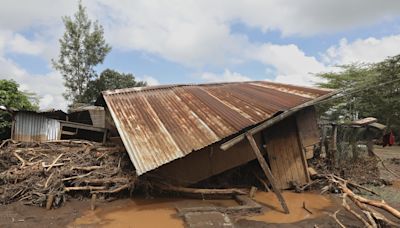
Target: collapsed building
[[187, 133]]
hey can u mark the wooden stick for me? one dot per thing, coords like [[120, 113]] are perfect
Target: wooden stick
[[337, 220], [347, 207], [50, 200], [305, 208], [377, 215], [267, 171], [6, 141], [84, 188], [47, 181], [89, 168], [93, 202], [375, 203], [370, 219], [20, 159], [54, 162], [355, 185], [76, 177], [262, 182], [54, 165], [114, 190]]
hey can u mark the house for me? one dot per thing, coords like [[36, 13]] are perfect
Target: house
[[187, 133], [50, 125]]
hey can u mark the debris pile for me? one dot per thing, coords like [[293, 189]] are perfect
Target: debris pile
[[46, 174], [370, 216], [363, 170]]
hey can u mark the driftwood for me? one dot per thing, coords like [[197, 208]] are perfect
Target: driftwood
[[348, 208], [84, 188], [42, 174], [230, 191], [372, 216], [336, 219]]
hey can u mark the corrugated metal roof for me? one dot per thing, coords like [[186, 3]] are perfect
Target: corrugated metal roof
[[163, 123]]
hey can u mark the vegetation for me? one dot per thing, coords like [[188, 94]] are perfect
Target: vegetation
[[12, 98], [108, 80], [374, 90], [82, 47]]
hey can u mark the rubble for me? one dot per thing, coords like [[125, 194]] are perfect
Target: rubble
[[48, 173]]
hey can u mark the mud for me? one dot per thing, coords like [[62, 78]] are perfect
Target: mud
[[156, 212], [317, 204], [143, 213]]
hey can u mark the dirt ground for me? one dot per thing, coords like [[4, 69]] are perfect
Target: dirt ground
[[141, 212]]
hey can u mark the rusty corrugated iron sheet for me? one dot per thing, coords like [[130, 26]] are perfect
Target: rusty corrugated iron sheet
[[160, 124], [33, 127]]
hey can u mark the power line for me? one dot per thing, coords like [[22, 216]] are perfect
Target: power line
[[352, 91]]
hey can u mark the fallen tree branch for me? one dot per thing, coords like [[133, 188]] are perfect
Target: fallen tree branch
[[84, 188], [359, 217], [54, 162], [89, 168], [337, 220], [113, 190], [374, 203]]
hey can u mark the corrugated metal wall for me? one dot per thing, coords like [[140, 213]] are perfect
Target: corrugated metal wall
[[30, 127]]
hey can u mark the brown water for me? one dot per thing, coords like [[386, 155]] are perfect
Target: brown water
[[316, 203], [142, 213], [162, 212]]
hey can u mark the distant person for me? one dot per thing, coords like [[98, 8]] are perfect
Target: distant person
[[388, 139]]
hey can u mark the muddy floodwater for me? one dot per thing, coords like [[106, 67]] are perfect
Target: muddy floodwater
[[162, 212]]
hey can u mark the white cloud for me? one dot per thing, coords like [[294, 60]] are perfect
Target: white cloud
[[151, 81], [226, 76], [20, 45], [363, 50], [48, 87]]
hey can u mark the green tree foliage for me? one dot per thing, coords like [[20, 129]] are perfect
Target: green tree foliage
[[108, 80], [12, 98], [82, 47], [374, 90]]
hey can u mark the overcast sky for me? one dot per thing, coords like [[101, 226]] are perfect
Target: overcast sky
[[183, 41]]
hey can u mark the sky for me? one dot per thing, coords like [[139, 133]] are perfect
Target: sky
[[203, 41]]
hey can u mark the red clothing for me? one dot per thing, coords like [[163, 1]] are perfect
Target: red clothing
[[391, 139]]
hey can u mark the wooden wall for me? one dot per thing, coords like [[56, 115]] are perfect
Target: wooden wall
[[285, 143]]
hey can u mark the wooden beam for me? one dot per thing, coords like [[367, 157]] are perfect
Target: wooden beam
[[81, 126], [272, 121], [267, 171]]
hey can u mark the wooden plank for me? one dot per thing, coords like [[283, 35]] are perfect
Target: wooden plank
[[68, 133], [267, 171], [306, 121], [303, 158], [81, 126]]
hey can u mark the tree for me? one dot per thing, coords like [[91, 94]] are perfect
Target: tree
[[82, 47], [12, 98], [109, 80], [374, 91]]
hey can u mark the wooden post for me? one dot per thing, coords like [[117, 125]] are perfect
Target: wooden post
[[333, 147], [93, 202], [267, 171]]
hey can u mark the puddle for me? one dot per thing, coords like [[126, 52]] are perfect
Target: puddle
[[162, 213], [316, 203], [142, 213]]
